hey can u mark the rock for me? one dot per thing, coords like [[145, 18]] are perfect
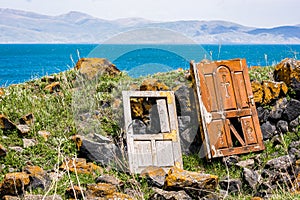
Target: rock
[[139, 127], [2, 93], [53, 87], [183, 122], [38, 177], [14, 183], [16, 148], [294, 124], [273, 90], [267, 91], [257, 91], [275, 114], [184, 96], [282, 126], [246, 163], [155, 175], [231, 160], [103, 153], [6, 124], [27, 119], [137, 110], [277, 110], [231, 185], [74, 192], [118, 195], [105, 178], [276, 140], [251, 177], [263, 114], [3, 151], [194, 183], [45, 134], [152, 84], [134, 193], [33, 197], [268, 130], [81, 166], [190, 141], [169, 195], [28, 142], [294, 149], [295, 85], [283, 163], [23, 129], [100, 190], [292, 110], [287, 70], [274, 179], [90, 68], [100, 138]]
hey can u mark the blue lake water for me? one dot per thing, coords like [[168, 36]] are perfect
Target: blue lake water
[[22, 62]]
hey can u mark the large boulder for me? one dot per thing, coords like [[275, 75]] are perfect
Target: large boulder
[[194, 183], [292, 110], [287, 71], [105, 152], [90, 68], [268, 91]]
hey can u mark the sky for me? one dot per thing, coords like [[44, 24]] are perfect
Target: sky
[[256, 13]]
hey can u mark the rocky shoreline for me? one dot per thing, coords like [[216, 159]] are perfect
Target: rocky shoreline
[[262, 175]]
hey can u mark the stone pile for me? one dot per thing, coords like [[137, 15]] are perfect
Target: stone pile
[[278, 113]]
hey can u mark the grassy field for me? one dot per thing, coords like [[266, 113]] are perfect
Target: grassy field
[[54, 112]]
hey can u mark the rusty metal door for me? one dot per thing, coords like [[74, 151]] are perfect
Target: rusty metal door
[[229, 118], [161, 145]]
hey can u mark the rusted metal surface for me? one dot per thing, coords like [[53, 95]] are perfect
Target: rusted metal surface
[[156, 142], [228, 114]]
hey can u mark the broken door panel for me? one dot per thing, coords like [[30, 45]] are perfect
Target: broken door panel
[[152, 130], [227, 113]]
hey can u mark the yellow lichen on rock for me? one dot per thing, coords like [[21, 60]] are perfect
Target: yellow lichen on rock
[[152, 84], [80, 166], [53, 87], [92, 67], [179, 178], [287, 70], [257, 91], [100, 189], [14, 183]]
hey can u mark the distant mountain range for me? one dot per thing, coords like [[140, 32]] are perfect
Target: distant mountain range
[[18, 26]]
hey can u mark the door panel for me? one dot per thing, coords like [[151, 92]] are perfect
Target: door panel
[[159, 145], [228, 115]]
